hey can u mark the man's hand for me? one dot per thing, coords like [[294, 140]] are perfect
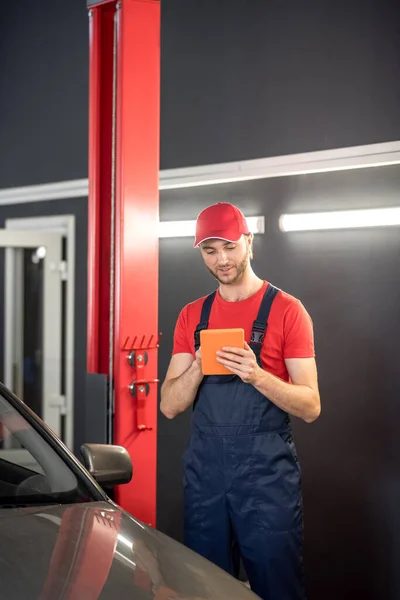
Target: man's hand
[[240, 361]]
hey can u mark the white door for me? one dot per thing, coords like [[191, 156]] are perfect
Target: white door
[[33, 320]]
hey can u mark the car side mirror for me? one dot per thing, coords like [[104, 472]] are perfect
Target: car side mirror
[[109, 465]]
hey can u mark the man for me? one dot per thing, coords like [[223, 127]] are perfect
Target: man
[[241, 473]]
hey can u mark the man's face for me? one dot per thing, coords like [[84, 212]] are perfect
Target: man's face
[[227, 261]]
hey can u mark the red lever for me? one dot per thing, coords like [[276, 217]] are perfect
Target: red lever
[[140, 387]]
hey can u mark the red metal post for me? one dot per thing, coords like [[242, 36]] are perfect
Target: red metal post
[[136, 259], [136, 167], [101, 32]]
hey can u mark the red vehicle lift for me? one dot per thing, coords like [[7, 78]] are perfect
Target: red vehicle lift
[[122, 330]]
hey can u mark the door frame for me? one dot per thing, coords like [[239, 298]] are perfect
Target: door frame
[[64, 224]]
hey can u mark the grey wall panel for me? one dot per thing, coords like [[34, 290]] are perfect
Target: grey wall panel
[[349, 282], [247, 79], [43, 92], [239, 80]]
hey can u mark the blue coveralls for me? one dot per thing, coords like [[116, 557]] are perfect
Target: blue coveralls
[[242, 494]]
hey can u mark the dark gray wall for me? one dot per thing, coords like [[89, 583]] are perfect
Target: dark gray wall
[[240, 79], [349, 282], [43, 91], [250, 78], [77, 207]]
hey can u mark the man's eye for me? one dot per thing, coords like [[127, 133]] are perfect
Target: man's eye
[[230, 247]]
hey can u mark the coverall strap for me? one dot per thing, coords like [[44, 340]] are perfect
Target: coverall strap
[[204, 318], [261, 323]]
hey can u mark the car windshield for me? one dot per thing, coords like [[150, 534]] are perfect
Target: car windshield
[[31, 471]]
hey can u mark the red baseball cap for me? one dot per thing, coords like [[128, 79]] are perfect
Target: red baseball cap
[[222, 221]]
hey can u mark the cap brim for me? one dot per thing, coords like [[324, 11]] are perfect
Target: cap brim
[[214, 237]]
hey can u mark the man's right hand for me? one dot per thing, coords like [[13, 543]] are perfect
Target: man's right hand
[[181, 383]]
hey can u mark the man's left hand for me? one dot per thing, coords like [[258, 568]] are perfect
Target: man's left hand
[[240, 361]]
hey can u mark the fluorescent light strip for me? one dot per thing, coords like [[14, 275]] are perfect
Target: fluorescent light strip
[[187, 228], [346, 219]]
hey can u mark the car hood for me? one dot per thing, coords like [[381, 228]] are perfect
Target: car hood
[[98, 551]]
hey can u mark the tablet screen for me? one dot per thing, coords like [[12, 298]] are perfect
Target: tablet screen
[[212, 340]]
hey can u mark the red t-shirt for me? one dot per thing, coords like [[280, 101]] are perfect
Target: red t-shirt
[[289, 334]]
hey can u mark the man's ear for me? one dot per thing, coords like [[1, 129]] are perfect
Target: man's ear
[[249, 240]]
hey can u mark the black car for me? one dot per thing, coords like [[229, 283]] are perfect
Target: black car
[[63, 538]]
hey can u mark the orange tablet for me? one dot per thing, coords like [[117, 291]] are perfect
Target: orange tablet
[[212, 340]]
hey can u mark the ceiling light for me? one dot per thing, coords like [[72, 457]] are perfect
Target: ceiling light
[[188, 228], [346, 219]]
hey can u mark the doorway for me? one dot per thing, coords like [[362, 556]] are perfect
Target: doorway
[[39, 317]]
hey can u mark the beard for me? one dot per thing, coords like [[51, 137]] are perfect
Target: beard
[[235, 273]]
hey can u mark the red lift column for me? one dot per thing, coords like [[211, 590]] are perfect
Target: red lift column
[[123, 238]]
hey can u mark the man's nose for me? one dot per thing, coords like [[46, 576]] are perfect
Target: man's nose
[[222, 258]]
